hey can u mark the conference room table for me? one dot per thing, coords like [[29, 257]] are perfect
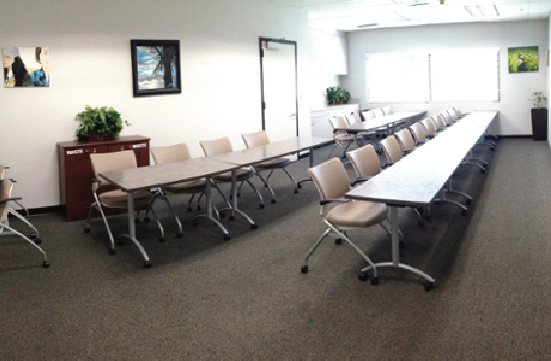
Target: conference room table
[[416, 179], [386, 122], [160, 175]]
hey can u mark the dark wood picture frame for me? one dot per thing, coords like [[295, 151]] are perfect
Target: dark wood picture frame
[[150, 61]]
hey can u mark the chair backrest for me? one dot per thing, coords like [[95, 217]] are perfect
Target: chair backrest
[[439, 121], [406, 139], [367, 114], [457, 112], [418, 131], [378, 112], [392, 149], [5, 193], [170, 154], [216, 146], [338, 121], [330, 179], [255, 139], [448, 116], [365, 161], [387, 110], [430, 127], [2, 171], [354, 118], [106, 162]]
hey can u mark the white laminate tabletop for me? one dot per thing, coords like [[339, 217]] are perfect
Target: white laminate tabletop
[[165, 174], [381, 122], [418, 177]]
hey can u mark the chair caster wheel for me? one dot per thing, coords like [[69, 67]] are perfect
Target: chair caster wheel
[[401, 244], [363, 276], [296, 191], [232, 218], [428, 285], [198, 208], [338, 241], [298, 186], [304, 269], [463, 212], [483, 171], [45, 264], [238, 195], [374, 281], [421, 224], [274, 201], [427, 217], [469, 201], [147, 264], [37, 241], [179, 235], [261, 206], [189, 209], [254, 226], [87, 230], [146, 219], [195, 224], [226, 237], [32, 235], [161, 239], [111, 251]]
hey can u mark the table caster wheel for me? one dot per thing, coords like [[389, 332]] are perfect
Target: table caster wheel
[[469, 201], [428, 285], [87, 230], [363, 276], [463, 212], [254, 226], [45, 264], [226, 237], [37, 241], [304, 269], [161, 239], [274, 201], [179, 235], [421, 224], [261, 206], [147, 264], [232, 218], [111, 251], [338, 241], [374, 281]]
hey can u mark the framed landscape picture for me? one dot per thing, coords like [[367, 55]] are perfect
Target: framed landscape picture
[[155, 67], [523, 59]]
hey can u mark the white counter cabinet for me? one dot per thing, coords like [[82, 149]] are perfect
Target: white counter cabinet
[[319, 118]]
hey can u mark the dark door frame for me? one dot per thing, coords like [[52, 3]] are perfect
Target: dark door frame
[[262, 99]]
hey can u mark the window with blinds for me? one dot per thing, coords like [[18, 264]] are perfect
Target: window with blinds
[[437, 76]]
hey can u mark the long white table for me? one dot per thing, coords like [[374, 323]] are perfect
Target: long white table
[[387, 122], [417, 178], [132, 180]]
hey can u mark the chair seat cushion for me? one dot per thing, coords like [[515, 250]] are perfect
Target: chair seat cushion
[[117, 199], [357, 214], [273, 163], [189, 187], [241, 174]]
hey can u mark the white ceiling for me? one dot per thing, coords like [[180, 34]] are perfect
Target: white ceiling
[[353, 15]]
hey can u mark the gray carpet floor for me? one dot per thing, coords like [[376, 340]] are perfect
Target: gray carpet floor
[[205, 298]]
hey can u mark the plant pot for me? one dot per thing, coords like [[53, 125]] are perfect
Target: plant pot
[[92, 136], [539, 123]]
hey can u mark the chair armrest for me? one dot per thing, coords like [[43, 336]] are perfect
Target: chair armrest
[[6, 200], [323, 202], [359, 180], [407, 151], [386, 165]]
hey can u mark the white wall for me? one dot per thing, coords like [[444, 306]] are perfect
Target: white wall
[[90, 62], [516, 89]]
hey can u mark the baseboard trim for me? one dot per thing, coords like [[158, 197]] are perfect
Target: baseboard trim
[[517, 136], [41, 210]]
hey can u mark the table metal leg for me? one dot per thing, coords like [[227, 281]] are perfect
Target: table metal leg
[[233, 209], [208, 215], [310, 165], [132, 229]]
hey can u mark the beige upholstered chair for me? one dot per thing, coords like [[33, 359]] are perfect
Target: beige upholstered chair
[[367, 115], [440, 122], [392, 150], [339, 214], [378, 112], [430, 127], [387, 110], [342, 138], [6, 186], [361, 138], [261, 138], [107, 198], [33, 233], [223, 145], [365, 161], [418, 131], [406, 140]]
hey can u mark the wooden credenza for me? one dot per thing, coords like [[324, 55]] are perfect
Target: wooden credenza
[[75, 170]]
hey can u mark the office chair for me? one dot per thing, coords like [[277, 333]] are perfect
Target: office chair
[[369, 136], [33, 233], [430, 127], [407, 143], [6, 187], [243, 174], [366, 164], [418, 132], [261, 138], [387, 110], [378, 112], [342, 138], [440, 122], [392, 150], [107, 198], [339, 214]]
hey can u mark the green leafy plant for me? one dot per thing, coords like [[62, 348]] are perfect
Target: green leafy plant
[[337, 95], [538, 99], [105, 121]]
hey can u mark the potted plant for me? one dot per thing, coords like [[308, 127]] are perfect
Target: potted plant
[[337, 95], [539, 116], [100, 123]]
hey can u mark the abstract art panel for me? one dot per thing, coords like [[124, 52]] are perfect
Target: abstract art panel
[[26, 67], [155, 67]]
